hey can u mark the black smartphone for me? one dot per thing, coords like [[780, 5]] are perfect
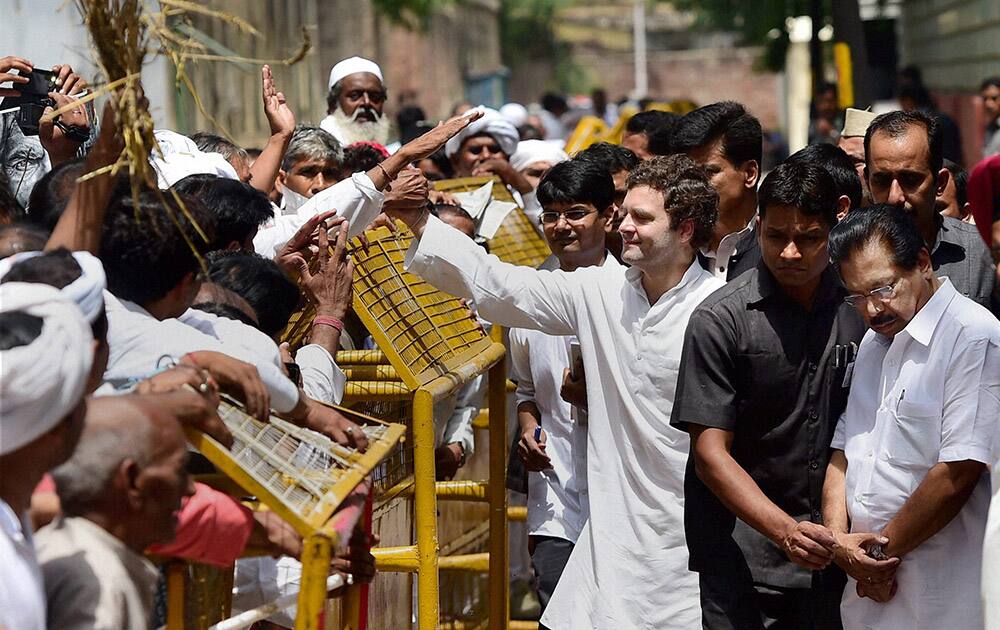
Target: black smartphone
[[33, 100]]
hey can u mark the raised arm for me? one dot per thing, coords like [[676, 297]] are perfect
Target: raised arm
[[281, 121], [79, 227]]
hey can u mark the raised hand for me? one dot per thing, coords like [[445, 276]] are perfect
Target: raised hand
[[53, 137], [279, 115], [425, 145], [408, 191], [330, 287], [236, 378], [69, 82]]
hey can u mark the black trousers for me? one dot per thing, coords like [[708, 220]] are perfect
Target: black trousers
[[734, 602], [548, 557]]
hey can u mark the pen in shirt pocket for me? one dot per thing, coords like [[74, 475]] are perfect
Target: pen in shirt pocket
[[901, 394]]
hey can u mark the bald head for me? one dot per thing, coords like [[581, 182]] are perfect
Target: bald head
[[128, 471], [215, 298]]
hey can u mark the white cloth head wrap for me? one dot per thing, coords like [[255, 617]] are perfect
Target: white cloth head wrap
[[353, 65], [44, 380], [87, 291], [534, 151], [182, 157], [492, 124], [516, 113]]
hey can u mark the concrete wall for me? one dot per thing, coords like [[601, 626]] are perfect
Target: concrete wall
[[957, 44]]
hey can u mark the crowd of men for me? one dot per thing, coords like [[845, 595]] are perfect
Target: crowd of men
[[744, 400]]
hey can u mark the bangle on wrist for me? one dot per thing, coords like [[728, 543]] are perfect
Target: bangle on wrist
[[326, 320]]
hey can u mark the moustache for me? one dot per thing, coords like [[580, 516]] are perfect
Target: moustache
[[882, 319], [365, 109]]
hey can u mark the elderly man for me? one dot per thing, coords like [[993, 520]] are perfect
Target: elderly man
[[120, 493], [852, 141], [354, 103], [908, 476], [905, 168], [629, 566], [46, 356], [311, 164]]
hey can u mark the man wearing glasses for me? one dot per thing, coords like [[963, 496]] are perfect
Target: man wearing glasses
[[354, 103], [907, 482], [763, 378]]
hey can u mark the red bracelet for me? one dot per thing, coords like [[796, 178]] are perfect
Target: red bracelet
[[329, 321]]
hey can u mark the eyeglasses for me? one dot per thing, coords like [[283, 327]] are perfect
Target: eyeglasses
[[477, 149], [571, 216], [883, 294]]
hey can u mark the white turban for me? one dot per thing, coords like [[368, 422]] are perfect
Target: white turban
[[516, 113], [534, 151], [353, 65], [182, 157], [87, 291], [492, 124], [41, 382]]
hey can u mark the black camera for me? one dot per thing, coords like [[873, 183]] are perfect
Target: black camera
[[33, 100]]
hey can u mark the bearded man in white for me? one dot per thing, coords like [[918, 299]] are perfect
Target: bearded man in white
[[354, 103]]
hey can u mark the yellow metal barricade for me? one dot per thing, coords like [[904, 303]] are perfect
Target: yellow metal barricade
[[302, 476], [517, 241], [429, 347]]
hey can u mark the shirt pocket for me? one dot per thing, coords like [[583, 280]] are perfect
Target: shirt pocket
[[916, 437]]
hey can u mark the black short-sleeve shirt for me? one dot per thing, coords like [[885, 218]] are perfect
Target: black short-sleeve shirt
[[758, 364]]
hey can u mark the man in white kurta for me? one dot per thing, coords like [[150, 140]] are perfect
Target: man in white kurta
[[629, 566]]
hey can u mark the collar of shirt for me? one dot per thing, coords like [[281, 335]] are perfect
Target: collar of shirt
[[634, 277], [765, 287], [10, 524], [921, 327], [729, 241]]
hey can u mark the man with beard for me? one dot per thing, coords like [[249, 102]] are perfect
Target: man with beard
[[354, 103]]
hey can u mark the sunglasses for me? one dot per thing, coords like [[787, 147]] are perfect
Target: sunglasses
[[476, 150]]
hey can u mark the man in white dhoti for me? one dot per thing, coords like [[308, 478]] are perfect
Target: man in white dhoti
[[354, 103], [908, 475], [629, 566]]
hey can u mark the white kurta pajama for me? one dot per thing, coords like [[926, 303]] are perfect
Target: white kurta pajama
[[629, 566], [930, 394]]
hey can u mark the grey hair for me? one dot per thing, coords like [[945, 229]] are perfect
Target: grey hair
[[311, 143], [83, 481], [212, 143]]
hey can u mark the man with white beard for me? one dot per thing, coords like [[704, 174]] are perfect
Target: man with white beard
[[354, 103]]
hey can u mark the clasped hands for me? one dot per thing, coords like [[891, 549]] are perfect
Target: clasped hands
[[814, 547]]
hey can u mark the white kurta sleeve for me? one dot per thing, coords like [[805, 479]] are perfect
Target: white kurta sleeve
[[355, 199], [508, 295], [972, 403], [519, 354], [322, 379]]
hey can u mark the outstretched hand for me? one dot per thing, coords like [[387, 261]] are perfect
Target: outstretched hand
[[22, 65], [427, 144]]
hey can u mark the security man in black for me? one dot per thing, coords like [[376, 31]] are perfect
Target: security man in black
[[764, 376]]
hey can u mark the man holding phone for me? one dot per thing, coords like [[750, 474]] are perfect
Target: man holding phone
[[577, 199], [30, 144]]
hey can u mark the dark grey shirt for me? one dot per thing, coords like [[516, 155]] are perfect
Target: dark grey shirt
[[961, 255], [757, 364]]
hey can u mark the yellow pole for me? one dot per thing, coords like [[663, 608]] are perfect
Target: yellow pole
[[425, 510], [312, 596], [176, 578], [499, 607]]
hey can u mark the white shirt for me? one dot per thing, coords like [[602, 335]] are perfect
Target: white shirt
[[718, 261], [322, 378], [22, 595], [931, 394], [991, 553], [355, 199], [629, 566], [92, 580], [557, 498], [138, 341]]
